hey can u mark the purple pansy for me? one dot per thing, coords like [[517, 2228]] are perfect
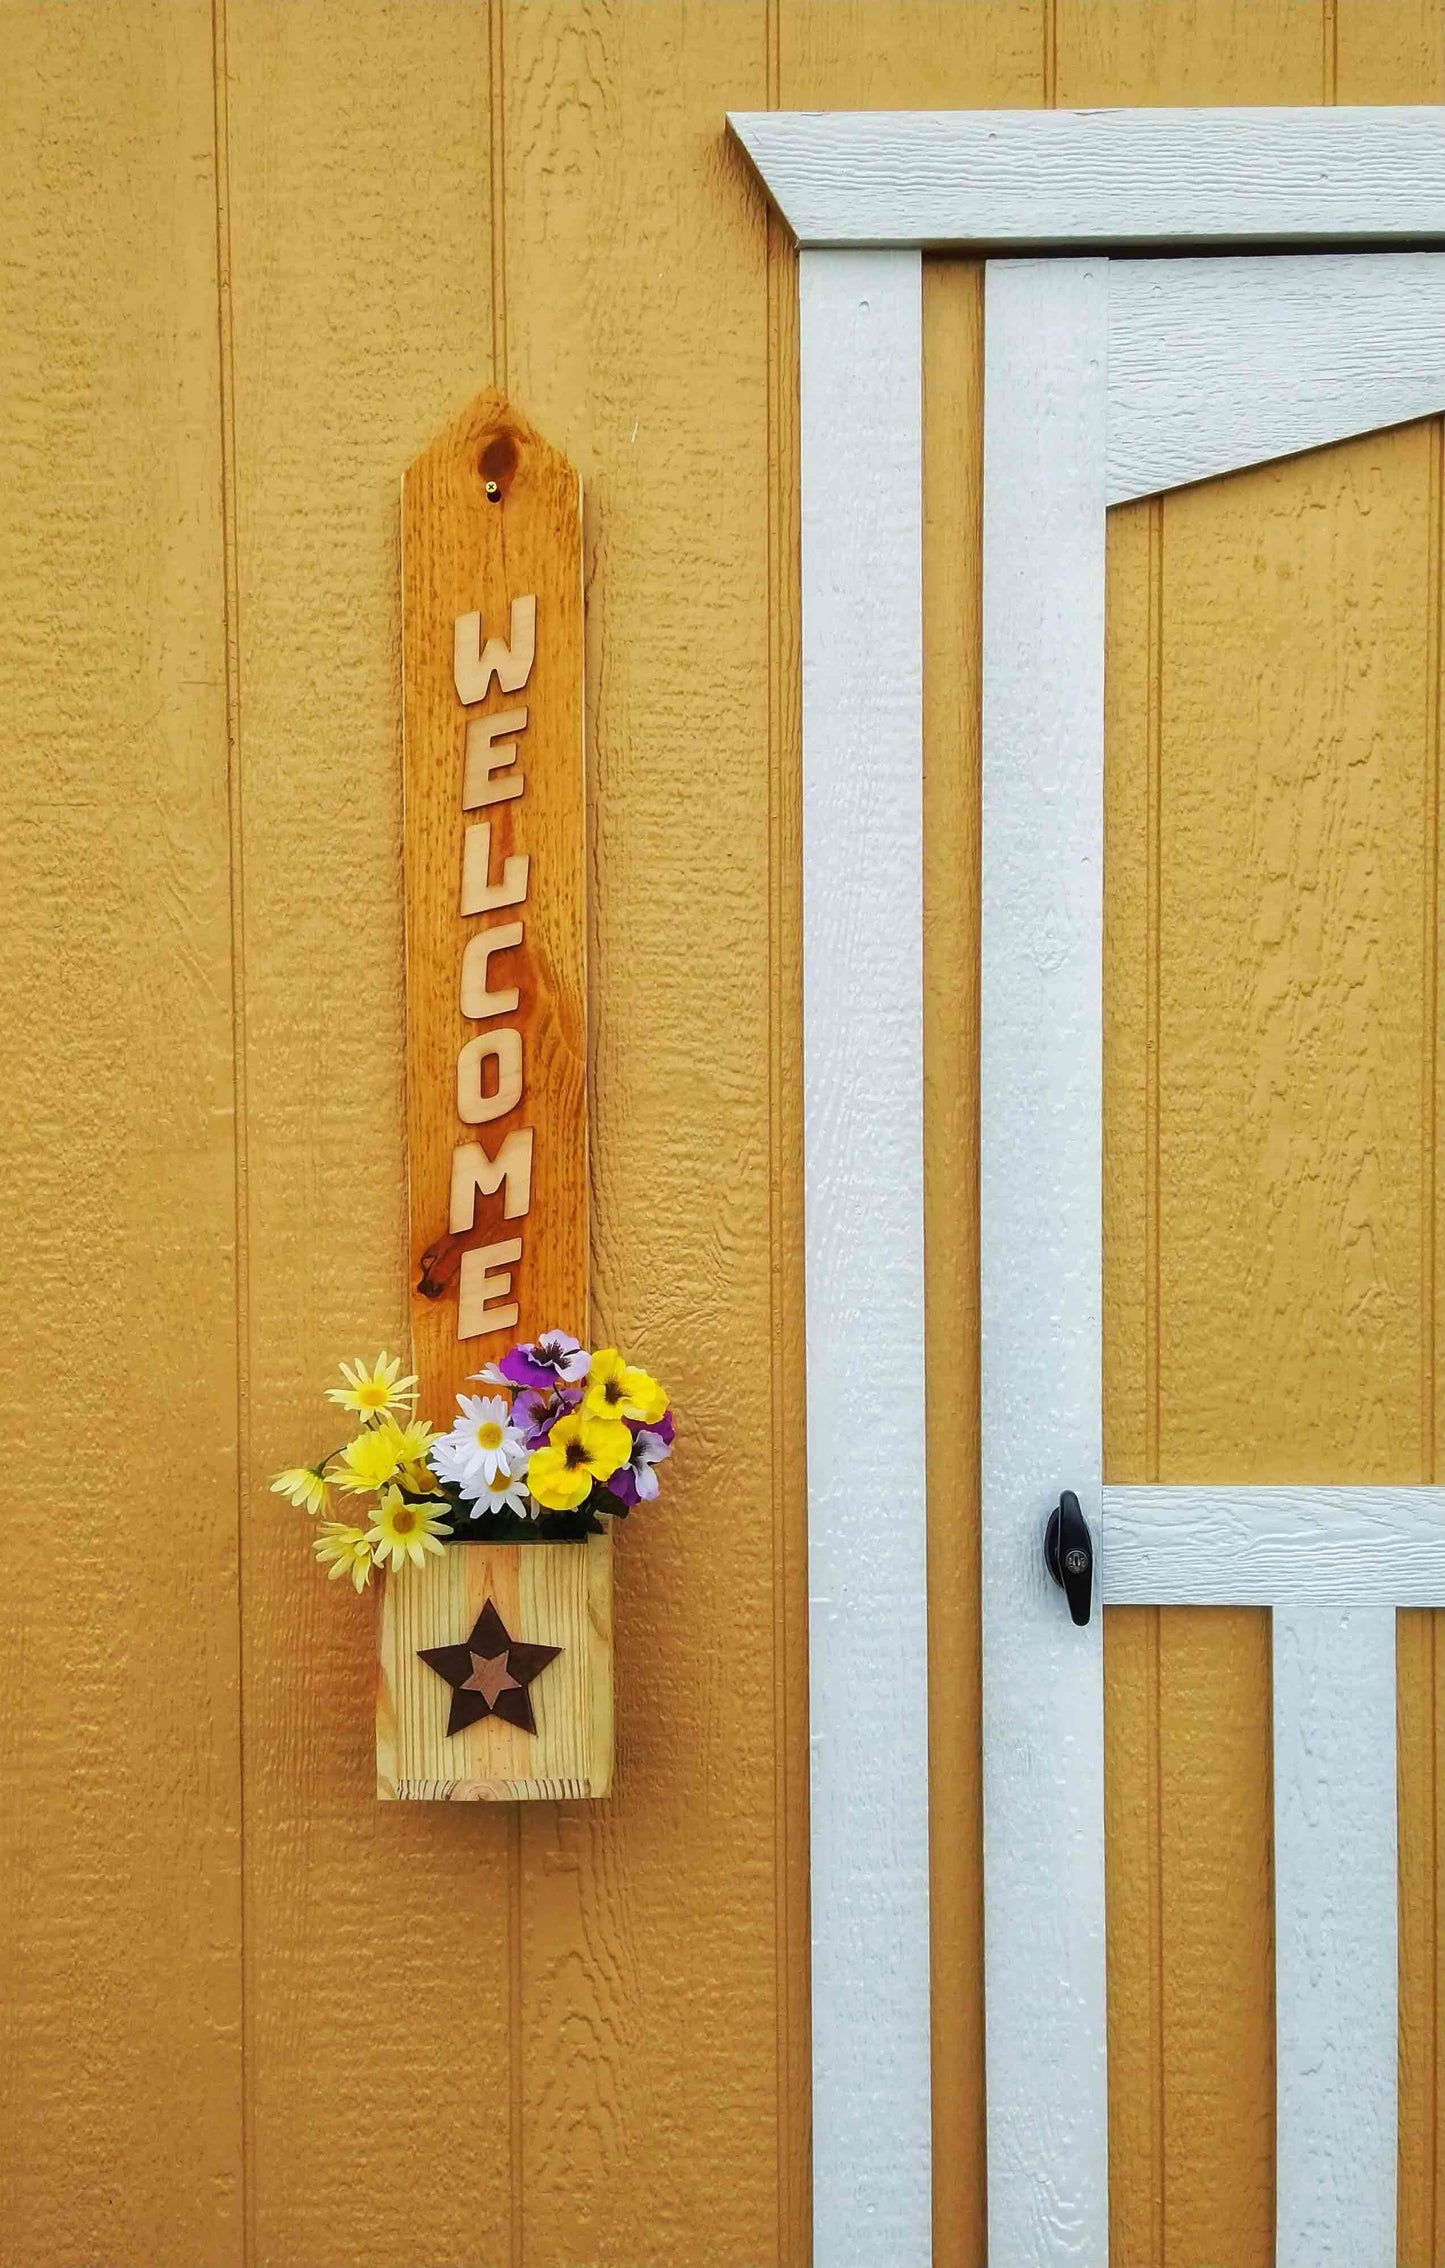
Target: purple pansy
[[555, 1359], [636, 1479], [537, 1409]]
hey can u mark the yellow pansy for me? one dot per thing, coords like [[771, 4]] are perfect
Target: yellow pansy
[[304, 1486], [348, 1550], [581, 1450], [375, 1392], [616, 1390], [400, 1531]]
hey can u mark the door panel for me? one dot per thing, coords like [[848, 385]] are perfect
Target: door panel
[[1272, 713]]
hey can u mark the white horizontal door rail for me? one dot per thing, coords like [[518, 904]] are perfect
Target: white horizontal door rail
[[1277, 1547], [1103, 381]]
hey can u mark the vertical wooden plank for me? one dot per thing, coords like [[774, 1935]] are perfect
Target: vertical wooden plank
[[896, 55], [861, 359], [952, 592], [1336, 1935], [1187, 52], [1041, 1251], [360, 269], [658, 1947], [1388, 50], [119, 1754]]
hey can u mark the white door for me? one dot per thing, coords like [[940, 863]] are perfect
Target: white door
[[1105, 380]]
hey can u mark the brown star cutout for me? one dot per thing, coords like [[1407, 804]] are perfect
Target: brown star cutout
[[490, 1674]]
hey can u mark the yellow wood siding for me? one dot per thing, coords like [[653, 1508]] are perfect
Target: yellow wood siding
[[255, 255]]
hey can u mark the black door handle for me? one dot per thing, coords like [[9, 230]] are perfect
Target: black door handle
[[1069, 1555]]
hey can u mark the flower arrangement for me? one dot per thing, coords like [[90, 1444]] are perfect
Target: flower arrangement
[[563, 1439]]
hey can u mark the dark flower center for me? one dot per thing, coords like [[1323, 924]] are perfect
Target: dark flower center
[[575, 1454]]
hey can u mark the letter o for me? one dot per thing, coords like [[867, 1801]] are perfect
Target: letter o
[[474, 1106]]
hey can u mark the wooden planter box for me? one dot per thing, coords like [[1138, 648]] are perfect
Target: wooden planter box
[[548, 1594]]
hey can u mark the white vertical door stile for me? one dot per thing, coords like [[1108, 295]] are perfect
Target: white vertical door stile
[[1336, 1936], [1046, 344], [862, 565]]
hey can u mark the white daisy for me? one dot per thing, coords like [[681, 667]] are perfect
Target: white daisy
[[482, 1443], [507, 1493], [491, 1374]]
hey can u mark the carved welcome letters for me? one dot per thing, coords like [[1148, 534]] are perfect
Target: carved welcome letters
[[495, 887]]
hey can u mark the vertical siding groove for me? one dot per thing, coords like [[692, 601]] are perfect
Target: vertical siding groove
[[231, 600], [1431, 960], [497, 110], [790, 1783], [1417, 1787], [1154, 857]]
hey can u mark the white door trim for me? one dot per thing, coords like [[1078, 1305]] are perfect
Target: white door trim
[[1060, 183], [1041, 1243], [1102, 180], [862, 437]]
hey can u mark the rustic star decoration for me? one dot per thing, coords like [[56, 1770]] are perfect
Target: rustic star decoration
[[490, 1674]]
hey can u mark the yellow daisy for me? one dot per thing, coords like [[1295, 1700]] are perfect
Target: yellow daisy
[[376, 1456], [616, 1390], [347, 1549], [581, 1450], [418, 1479], [306, 1487], [400, 1531], [375, 1392]]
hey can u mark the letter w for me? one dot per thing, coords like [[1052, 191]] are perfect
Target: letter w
[[474, 665]]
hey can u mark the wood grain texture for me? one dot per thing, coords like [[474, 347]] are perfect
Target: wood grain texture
[[1041, 1073], [463, 551], [1243, 1546], [1336, 1935], [1193, 52], [120, 2076], [1215, 364], [547, 1595], [1022, 181]]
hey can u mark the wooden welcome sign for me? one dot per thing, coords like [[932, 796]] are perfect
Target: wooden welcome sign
[[496, 932]]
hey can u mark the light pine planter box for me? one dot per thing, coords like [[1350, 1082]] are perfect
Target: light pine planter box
[[547, 1594]]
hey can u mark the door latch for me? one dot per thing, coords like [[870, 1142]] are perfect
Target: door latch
[[1069, 1555]]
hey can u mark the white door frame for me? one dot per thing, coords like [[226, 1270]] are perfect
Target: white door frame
[[1104, 379]]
